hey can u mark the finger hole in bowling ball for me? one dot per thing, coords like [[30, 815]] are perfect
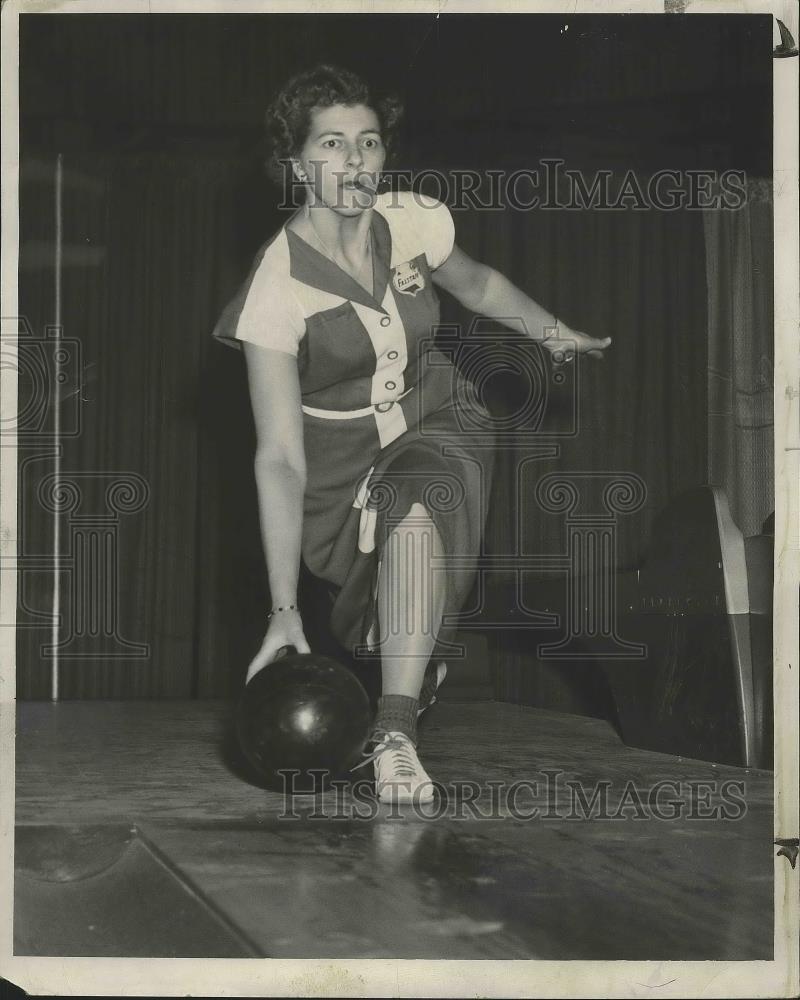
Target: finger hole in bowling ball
[[302, 722]]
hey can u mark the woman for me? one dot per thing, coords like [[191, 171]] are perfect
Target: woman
[[362, 466]]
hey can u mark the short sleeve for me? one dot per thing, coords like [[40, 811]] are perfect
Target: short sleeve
[[422, 222], [264, 311], [438, 231]]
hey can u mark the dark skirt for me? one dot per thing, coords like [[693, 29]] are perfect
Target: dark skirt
[[358, 492]]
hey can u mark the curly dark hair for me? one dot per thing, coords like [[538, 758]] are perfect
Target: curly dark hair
[[288, 117]]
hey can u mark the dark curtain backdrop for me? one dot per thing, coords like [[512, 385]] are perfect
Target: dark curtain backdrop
[[163, 210], [162, 402]]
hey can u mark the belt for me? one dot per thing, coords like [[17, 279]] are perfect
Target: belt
[[326, 414]]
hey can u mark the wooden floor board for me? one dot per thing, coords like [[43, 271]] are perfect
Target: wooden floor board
[[300, 882]]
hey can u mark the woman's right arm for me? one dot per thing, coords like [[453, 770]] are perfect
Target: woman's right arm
[[280, 473]]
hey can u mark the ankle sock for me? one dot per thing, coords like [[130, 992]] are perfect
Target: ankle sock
[[397, 713]]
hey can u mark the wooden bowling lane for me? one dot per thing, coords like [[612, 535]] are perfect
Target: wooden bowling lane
[[376, 890], [438, 889], [405, 886]]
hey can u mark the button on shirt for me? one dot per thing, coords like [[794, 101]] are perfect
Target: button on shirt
[[354, 350]]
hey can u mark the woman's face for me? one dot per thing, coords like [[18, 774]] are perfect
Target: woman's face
[[343, 156]]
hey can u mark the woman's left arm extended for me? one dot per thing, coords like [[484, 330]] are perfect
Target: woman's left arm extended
[[484, 290]]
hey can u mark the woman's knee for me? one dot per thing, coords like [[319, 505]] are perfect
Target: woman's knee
[[418, 511], [420, 526], [418, 520]]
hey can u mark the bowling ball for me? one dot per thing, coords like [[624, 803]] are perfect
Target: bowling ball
[[302, 713]]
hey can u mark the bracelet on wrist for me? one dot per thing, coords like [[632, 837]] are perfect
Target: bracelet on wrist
[[285, 607]]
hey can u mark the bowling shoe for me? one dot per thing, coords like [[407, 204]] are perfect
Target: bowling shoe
[[399, 776]]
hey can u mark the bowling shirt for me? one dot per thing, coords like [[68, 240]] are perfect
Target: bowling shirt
[[383, 405]]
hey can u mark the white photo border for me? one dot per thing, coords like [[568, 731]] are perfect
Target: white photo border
[[401, 978]]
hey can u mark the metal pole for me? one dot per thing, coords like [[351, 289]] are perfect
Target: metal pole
[[54, 665]]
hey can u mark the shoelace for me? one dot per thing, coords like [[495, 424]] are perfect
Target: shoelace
[[401, 746]]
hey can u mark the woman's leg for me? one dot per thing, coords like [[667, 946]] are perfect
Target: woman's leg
[[411, 593]]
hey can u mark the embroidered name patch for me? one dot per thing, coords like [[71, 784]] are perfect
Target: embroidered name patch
[[408, 279]]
